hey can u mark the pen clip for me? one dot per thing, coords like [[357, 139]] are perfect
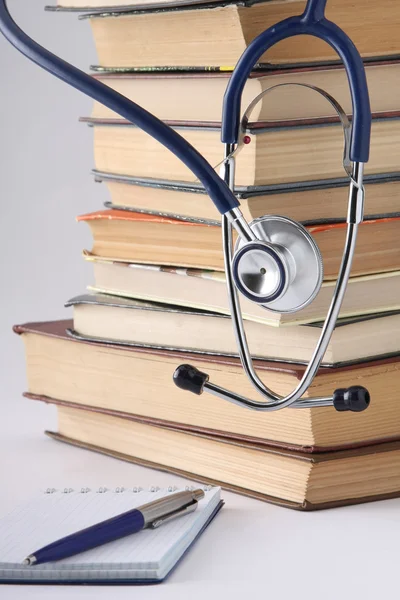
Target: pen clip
[[189, 508]]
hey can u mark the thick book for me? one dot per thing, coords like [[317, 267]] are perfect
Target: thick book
[[147, 557], [206, 290], [191, 96], [313, 149], [308, 202], [126, 380], [217, 34], [137, 237], [103, 317], [294, 479]]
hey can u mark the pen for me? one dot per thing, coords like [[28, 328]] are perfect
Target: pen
[[150, 515]]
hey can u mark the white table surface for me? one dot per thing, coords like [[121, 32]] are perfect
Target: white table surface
[[251, 548]]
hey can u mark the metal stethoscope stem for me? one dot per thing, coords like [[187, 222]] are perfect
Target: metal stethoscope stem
[[274, 401], [354, 398]]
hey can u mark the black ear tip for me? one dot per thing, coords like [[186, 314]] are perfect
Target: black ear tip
[[355, 399], [187, 377]]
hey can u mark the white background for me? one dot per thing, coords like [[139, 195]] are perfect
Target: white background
[[252, 549]]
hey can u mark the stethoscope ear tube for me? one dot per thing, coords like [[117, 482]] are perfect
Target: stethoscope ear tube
[[191, 379], [311, 22]]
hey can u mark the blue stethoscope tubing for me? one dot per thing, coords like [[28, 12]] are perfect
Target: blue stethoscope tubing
[[220, 189], [312, 22]]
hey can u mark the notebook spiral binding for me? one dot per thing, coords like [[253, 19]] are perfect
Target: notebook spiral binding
[[121, 489]]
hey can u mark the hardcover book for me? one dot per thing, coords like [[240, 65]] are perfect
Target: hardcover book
[[299, 201], [197, 97], [114, 379], [134, 322], [217, 34], [292, 479], [313, 149], [137, 237], [206, 290]]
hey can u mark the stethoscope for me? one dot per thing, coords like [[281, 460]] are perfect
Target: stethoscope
[[275, 262]]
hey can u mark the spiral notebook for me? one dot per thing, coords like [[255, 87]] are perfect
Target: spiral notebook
[[145, 557]]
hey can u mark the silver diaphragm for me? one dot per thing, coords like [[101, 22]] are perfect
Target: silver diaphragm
[[282, 270]]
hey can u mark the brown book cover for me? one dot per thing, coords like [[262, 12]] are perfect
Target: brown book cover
[[144, 463], [58, 329], [307, 454], [216, 434], [305, 506]]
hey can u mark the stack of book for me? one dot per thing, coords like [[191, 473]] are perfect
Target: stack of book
[[159, 299]]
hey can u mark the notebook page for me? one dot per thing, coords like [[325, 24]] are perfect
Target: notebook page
[[147, 554]]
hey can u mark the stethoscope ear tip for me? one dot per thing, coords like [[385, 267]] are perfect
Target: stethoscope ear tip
[[354, 399], [190, 379]]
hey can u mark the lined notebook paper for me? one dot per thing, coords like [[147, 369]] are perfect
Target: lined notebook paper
[[147, 556]]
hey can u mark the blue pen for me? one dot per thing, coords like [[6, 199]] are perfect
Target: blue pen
[[151, 515]]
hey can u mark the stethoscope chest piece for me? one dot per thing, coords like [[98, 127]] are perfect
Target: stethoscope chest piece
[[282, 270]]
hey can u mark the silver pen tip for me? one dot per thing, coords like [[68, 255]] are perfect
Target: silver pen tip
[[198, 494], [29, 560]]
